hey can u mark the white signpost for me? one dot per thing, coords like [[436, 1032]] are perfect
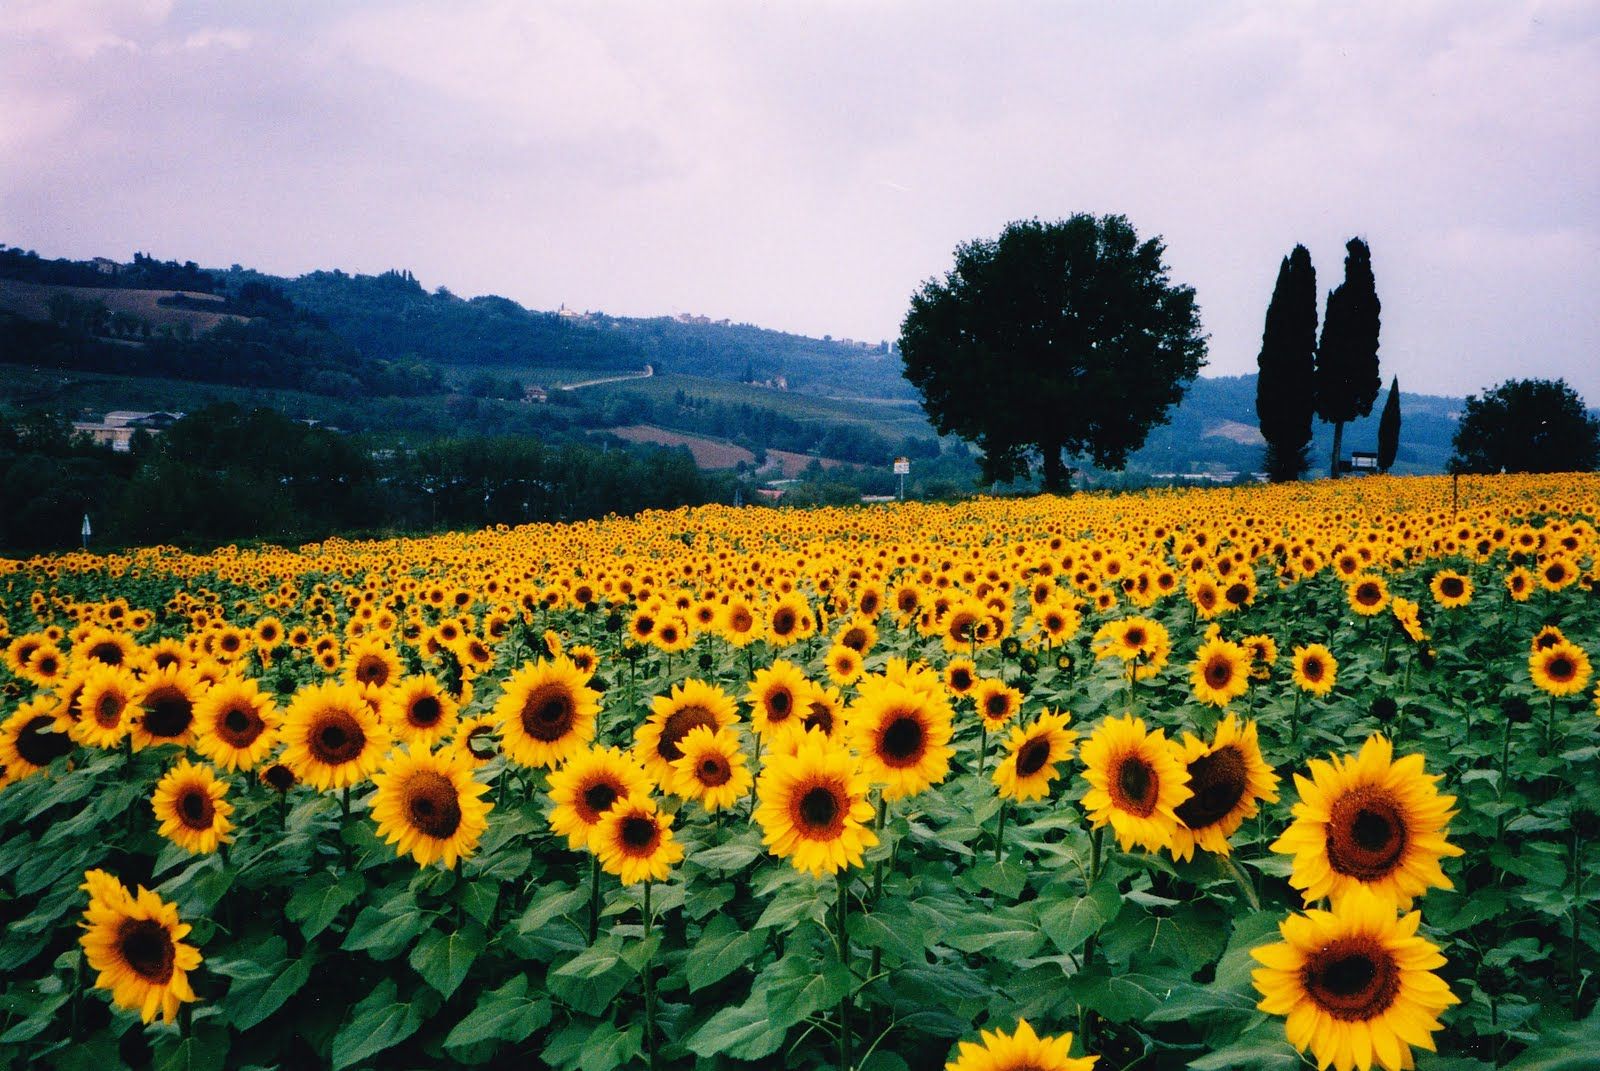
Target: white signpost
[[902, 466], [86, 531]]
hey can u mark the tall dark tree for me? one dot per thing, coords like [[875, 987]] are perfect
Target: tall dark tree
[[1053, 339], [1347, 358], [1527, 425], [1285, 387], [1389, 428]]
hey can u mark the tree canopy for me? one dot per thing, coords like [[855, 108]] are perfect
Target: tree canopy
[[1285, 388], [1527, 425], [1054, 338], [1347, 378]]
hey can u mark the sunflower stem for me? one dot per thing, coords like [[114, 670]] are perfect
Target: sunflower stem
[[844, 961], [344, 820], [1243, 882], [594, 897], [983, 745], [1294, 718], [1094, 857], [1577, 914], [650, 985], [1000, 833]]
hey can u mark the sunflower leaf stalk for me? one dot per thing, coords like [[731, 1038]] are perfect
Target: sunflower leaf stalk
[[843, 941]]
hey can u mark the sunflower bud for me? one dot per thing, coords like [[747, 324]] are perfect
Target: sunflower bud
[[1384, 709], [278, 777], [1516, 710], [1030, 663], [704, 661], [1011, 647], [614, 622]]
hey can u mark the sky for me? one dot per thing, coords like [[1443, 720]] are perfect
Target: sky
[[806, 165]]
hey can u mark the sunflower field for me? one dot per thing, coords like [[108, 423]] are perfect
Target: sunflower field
[[1236, 778]]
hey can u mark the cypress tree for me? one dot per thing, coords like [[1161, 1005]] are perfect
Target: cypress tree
[[1389, 428], [1347, 379], [1285, 388]]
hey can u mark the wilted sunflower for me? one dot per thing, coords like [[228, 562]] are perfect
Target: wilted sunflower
[[236, 724], [1408, 615], [189, 804], [711, 769], [1561, 668], [1136, 783], [1227, 777], [1220, 672], [477, 737], [332, 737], [775, 696], [546, 712], [821, 710], [587, 785], [1451, 589], [107, 707], [903, 737], [1031, 757], [135, 942], [997, 703], [1315, 669], [814, 807], [418, 710], [1020, 1051], [427, 805], [690, 704], [167, 697], [1368, 820], [1355, 984], [1263, 653], [634, 841], [1368, 595]]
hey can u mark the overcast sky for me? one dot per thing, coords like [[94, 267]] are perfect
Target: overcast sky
[[805, 165]]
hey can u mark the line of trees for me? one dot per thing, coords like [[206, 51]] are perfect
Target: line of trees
[[1335, 378]]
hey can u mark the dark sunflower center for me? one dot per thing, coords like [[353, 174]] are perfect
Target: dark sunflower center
[[1561, 668], [336, 739], [196, 809], [779, 704], [38, 746], [639, 834], [818, 808], [1367, 594], [1312, 669], [740, 621], [902, 743], [372, 670], [1137, 782], [1366, 835], [1237, 594], [677, 726], [1134, 637], [109, 653], [783, 622], [167, 712], [241, 726], [855, 639], [548, 713], [1218, 781], [1352, 979], [425, 712], [147, 948], [432, 804], [1219, 672], [996, 706], [819, 716], [1032, 756], [599, 797], [108, 711], [1451, 586], [961, 679], [713, 770]]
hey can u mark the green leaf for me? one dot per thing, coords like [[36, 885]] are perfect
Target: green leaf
[[383, 935], [552, 905], [1005, 878], [593, 977], [797, 988], [1564, 1048], [732, 855], [501, 866], [1070, 923], [377, 1023], [1122, 998], [721, 949], [1008, 935], [505, 1014], [1268, 1053], [479, 899], [251, 1001], [443, 959], [319, 900], [741, 1033], [204, 1050]]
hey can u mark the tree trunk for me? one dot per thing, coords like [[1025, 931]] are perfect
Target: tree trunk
[[1338, 441], [1055, 471]]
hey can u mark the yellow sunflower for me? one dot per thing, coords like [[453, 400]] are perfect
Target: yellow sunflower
[[960, 675], [634, 841], [30, 740], [167, 697], [997, 703], [814, 808], [1315, 669], [1368, 820], [690, 704], [790, 620], [775, 695], [738, 623], [1020, 1051], [1136, 783], [844, 663], [1355, 984], [107, 705], [189, 804], [903, 737], [546, 712], [586, 786], [1227, 777], [1368, 595], [711, 769], [1031, 757], [47, 666], [427, 805], [332, 737], [1561, 668], [135, 943], [1220, 672], [236, 724], [371, 661], [418, 710], [1451, 589]]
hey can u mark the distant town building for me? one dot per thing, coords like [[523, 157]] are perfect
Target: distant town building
[[106, 267], [535, 394], [116, 429]]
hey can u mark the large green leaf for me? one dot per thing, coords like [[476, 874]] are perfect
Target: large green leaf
[[320, 898], [443, 959], [506, 1014], [379, 1022], [1070, 923], [742, 1032], [721, 949]]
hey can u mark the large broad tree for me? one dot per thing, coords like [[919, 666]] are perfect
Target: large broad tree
[[1389, 428], [1053, 340], [1285, 385], [1347, 357], [1527, 425]]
